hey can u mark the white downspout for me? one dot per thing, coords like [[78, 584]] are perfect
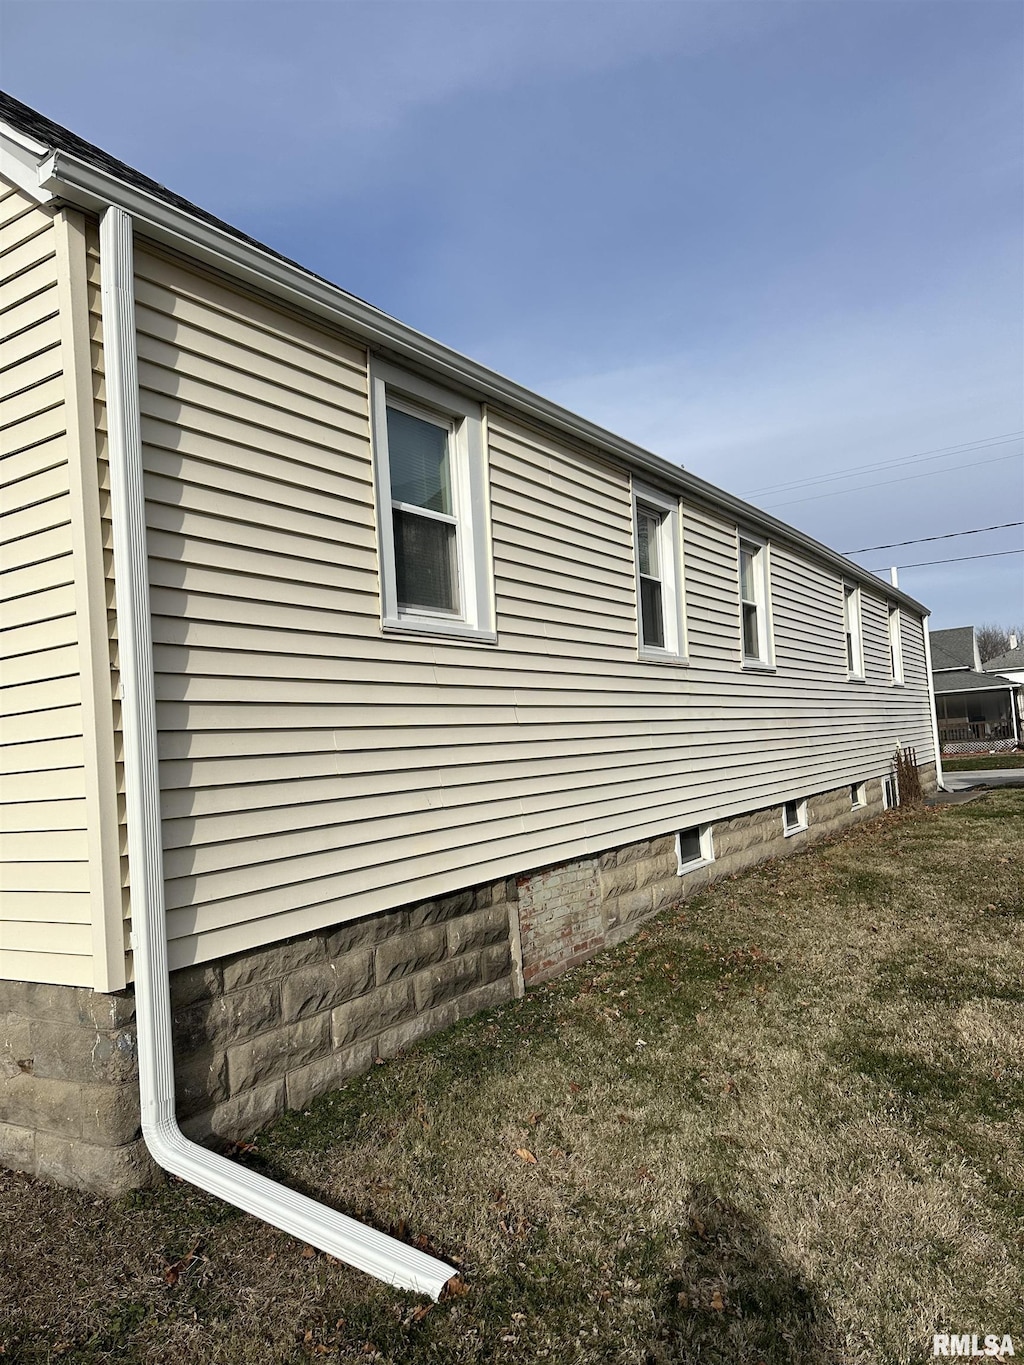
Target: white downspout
[[931, 705], [340, 1236]]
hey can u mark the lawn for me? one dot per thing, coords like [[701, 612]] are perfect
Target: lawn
[[783, 1124], [972, 762]]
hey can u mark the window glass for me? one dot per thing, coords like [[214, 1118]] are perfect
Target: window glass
[[690, 850], [420, 469], [752, 595], [652, 614], [851, 624], [425, 566]]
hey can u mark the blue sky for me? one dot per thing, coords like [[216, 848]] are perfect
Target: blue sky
[[770, 241]]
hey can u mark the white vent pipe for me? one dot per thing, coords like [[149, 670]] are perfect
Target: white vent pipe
[[340, 1236]]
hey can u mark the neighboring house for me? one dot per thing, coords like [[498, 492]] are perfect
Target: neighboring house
[[395, 685], [1009, 665], [977, 708]]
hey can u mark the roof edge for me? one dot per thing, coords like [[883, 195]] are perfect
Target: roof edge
[[77, 182]]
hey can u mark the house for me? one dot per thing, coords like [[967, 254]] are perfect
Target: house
[[977, 708], [1009, 665], [349, 686]]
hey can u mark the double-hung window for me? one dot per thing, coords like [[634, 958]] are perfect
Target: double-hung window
[[659, 576], [895, 645], [851, 627], [431, 507], [755, 628]]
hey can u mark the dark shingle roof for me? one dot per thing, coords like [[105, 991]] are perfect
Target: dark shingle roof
[[969, 682], [956, 646], [941, 658], [1014, 659]]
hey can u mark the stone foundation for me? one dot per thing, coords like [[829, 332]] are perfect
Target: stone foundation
[[254, 1034], [573, 910], [270, 1029]]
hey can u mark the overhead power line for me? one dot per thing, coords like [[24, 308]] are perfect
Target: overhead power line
[[937, 453], [884, 483], [950, 535], [996, 554]]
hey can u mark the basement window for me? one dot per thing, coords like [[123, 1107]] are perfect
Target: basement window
[[794, 817], [694, 848], [858, 795], [890, 794]]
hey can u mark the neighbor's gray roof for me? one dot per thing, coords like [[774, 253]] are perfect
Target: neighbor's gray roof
[[970, 682], [955, 645], [1014, 659], [942, 658]]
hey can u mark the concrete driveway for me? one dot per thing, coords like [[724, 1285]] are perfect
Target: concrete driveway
[[984, 777]]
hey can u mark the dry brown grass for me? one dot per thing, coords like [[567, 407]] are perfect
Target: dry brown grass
[[781, 1125]]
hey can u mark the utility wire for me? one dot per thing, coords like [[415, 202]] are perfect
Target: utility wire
[[884, 483], [951, 535], [922, 563], [938, 453]]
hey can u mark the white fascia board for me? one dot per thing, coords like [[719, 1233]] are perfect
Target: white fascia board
[[21, 157], [75, 180]]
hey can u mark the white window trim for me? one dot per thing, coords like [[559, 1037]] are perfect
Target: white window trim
[[475, 619], [707, 850], [801, 815], [890, 792], [765, 660], [855, 627], [896, 645], [670, 547], [858, 795]]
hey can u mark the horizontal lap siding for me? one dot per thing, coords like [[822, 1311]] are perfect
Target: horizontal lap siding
[[312, 770], [45, 931]]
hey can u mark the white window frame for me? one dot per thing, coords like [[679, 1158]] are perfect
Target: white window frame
[[670, 553], [762, 600], [896, 645], [853, 632], [801, 817], [464, 419], [858, 795], [707, 850], [890, 791]]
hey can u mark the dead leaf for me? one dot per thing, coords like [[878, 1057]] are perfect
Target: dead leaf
[[534, 1119], [698, 1226], [422, 1312], [308, 1251], [524, 1154], [173, 1270], [717, 1302], [455, 1288], [574, 1089], [682, 1300]]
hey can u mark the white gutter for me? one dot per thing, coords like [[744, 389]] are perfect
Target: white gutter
[[340, 1236], [68, 177], [931, 708]]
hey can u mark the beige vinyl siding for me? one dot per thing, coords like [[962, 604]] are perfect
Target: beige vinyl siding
[[313, 770], [58, 832], [45, 930]]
